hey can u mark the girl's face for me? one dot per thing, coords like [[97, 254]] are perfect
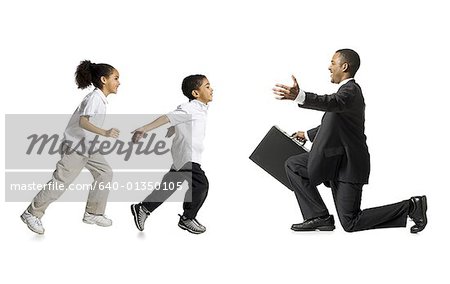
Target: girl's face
[[111, 83]]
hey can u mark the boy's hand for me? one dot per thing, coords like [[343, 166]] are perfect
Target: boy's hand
[[170, 131], [113, 132], [137, 135]]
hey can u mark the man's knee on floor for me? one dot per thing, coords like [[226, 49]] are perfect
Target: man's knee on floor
[[348, 225]]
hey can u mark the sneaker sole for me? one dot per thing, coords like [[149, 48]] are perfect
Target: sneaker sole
[[31, 229], [184, 227], [98, 224], [135, 217]]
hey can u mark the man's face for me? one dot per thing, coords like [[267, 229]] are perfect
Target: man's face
[[337, 68]]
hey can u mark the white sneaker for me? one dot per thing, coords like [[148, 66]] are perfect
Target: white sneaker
[[100, 220], [33, 222]]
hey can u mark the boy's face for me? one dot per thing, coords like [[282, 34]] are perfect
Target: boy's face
[[204, 92]]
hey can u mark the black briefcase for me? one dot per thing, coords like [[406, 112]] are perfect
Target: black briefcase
[[273, 151]]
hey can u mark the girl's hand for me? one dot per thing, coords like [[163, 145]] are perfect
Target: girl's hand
[[113, 132]]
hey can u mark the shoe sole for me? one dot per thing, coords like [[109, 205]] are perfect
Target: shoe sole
[[424, 209], [31, 229], [184, 227], [135, 217], [98, 224], [321, 228]]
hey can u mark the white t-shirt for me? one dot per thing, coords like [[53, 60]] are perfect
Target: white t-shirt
[[189, 120], [94, 106]]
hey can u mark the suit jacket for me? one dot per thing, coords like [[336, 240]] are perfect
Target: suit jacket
[[339, 151]]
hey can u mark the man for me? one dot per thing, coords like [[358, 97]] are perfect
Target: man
[[340, 159]]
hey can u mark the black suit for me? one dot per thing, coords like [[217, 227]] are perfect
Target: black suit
[[340, 159]]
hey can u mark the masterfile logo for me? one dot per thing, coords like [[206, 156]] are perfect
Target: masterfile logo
[[36, 142]]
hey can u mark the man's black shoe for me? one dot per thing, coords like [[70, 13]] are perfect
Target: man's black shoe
[[418, 213], [319, 223]]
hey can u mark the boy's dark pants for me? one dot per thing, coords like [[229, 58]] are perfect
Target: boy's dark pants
[[195, 196]]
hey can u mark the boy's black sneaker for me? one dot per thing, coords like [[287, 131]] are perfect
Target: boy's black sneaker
[[140, 214], [191, 225]]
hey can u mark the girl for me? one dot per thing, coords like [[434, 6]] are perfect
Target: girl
[[85, 123]]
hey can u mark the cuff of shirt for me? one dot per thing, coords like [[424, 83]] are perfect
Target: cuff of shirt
[[306, 136], [300, 99]]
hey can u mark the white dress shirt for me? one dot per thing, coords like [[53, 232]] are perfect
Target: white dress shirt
[[189, 120], [93, 106]]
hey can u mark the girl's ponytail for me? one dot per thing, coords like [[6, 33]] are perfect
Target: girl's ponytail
[[83, 75], [90, 73]]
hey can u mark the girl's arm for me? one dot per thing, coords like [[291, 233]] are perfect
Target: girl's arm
[[87, 125]]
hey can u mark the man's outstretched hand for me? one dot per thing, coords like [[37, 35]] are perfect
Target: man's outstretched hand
[[284, 92]]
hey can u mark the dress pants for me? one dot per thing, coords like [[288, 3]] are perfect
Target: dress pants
[[195, 196], [347, 199]]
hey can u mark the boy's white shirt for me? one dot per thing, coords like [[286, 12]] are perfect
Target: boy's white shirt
[[189, 120]]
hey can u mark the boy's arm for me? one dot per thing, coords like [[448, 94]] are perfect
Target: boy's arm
[[87, 125], [163, 119], [139, 133]]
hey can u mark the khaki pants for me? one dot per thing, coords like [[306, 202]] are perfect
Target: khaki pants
[[67, 170]]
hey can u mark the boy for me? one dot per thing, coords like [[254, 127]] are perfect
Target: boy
[[188, 122]]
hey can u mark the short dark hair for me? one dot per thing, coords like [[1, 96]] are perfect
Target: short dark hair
[[351, 57], [190, 83], [91, 73]]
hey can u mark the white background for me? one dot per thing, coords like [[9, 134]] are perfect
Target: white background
[[244, 48]]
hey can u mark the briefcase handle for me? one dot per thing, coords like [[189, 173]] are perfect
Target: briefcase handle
[[300, 143]]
